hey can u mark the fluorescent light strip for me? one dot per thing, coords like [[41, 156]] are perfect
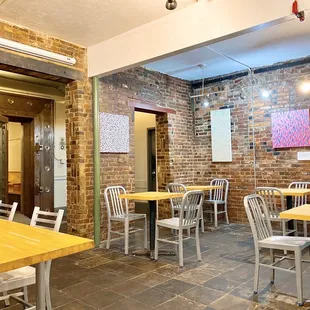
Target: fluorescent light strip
[[33, 51]]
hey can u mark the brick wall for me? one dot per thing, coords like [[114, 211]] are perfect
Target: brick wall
[[273, 167], [174, 131], [78, 126]]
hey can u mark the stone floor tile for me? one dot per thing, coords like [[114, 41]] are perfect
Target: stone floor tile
[[153, 297], [196, 276], [128, 304], [147, 265], [89, 274], [64, 281], [75, 305], [221, 284], [128, 288], [229, 302], [102, 299], [113, 266], [81, 289], [151, 278], [58, 298], [171, 270], [107, 279], [241, 273], [203, 295], [93, 262], [175, 286], [130, 272], [180, 303]]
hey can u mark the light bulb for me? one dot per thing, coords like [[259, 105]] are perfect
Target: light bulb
[[305, 87], [171, 4], [265, 93]]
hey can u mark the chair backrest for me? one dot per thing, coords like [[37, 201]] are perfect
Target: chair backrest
[[219, 194], [7, 211], [176, 188], [274, 200], [191, 208], [47, 220], [258, 217], [300, 200], [115, 205]]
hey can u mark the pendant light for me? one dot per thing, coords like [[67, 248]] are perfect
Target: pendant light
[[171, 4]]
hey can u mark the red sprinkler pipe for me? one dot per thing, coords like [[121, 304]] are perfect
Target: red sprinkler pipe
[[300, 15]]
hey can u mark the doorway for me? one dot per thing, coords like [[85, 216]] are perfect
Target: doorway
[[29, 168]]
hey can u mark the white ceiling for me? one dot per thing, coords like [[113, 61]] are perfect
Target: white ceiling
[[290, 40], [85, 22]]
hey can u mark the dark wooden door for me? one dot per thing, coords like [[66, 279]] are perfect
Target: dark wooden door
[[36, 115], [151, 159]]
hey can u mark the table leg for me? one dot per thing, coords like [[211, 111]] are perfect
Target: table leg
[[40, 286], [289, 205], [152, 225]]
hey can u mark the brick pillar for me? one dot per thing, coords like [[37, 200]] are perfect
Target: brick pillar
[[79, 139]]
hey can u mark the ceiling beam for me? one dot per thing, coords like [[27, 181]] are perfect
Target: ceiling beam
[[200, 24]]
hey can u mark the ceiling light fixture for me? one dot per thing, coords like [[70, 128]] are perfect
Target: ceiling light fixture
[[265, 93], [305, 87], [171, 4]]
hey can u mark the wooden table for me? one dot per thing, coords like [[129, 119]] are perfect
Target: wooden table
[[152, 198], [203, 187], [299, 213], [22, 245]]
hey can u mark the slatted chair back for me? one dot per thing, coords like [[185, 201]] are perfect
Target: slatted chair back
[[176, 188], [219, 194], [191, 208], [47, 220], [258, 216], [300, 200], [274, 200], [115, 205], [7, 211]]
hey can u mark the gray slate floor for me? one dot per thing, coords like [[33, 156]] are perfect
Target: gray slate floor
[[100, 279]]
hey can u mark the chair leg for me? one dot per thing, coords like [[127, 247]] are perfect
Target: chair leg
[[109, 235], [305, 229], [6, 301], [198, 244], [226, 214], [273, 271], [126, 235], [25, 292], [202, 222], [188, 232], [181, 248], [256, 274], [284, 232], [296, 229], [215, 215], [145, 232], [156, 242], [298, 269]]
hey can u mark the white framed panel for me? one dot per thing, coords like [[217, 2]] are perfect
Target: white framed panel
[[221, 135]]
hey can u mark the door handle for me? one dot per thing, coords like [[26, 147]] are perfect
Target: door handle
[[153, 172]]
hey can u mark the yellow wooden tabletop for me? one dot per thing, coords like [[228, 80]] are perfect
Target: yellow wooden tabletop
[[294, 191], [151, 196], [298, 213], [22, 245], [203, 187]]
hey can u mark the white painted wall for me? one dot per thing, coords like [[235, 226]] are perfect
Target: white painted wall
[[60, 165], [142, 122], [15, 146]]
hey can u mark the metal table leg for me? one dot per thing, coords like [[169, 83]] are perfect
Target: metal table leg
[[40, 286], [289, 205]]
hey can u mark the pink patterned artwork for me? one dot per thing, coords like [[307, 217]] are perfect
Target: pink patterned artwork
[[291, 129]]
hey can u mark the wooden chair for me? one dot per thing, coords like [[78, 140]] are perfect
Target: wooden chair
[[117, 213], [25, 276], [7, 212], [190, 214]]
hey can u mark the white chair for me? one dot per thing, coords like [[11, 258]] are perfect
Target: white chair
[[25, 276], [301, 200], [274, 201], [258, 216], [7, 211], [116, 213], [190, 214], [218, 197], [176, 202]]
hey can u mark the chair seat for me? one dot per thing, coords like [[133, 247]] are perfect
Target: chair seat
[[17, 278], [129, 216], [284, 243], [172, 223]]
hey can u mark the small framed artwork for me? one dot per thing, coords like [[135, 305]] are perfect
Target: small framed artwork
[[114, 133]]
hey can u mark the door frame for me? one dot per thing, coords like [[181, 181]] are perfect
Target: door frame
[[149, 166]]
